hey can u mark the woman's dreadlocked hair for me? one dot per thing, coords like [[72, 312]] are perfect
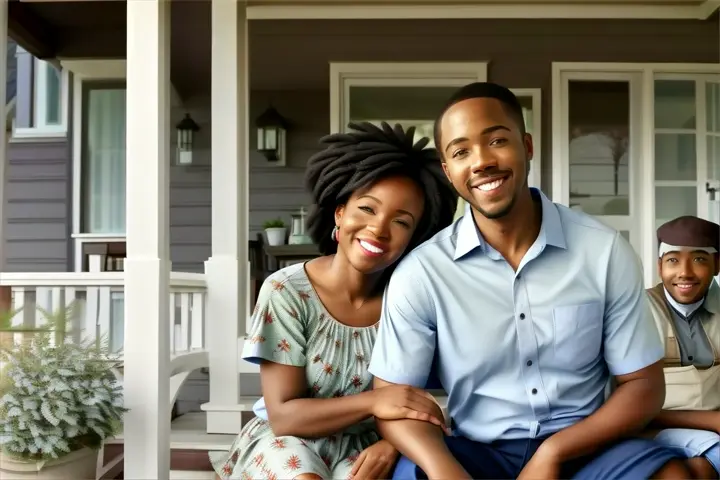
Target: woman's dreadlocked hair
[[357, 159]]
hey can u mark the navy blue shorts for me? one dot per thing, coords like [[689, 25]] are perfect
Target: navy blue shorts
[[633, 459]]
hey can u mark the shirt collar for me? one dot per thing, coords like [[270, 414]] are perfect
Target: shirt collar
[[551, 231]]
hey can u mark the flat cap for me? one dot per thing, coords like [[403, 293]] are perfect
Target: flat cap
[[689, 232]]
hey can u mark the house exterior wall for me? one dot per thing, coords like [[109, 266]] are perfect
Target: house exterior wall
[[37, 229], [290, 69]]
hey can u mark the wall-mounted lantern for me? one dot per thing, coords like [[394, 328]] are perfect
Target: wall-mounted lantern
[[185, 131], [271, 130]]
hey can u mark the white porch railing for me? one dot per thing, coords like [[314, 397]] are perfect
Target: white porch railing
[[98, 305]]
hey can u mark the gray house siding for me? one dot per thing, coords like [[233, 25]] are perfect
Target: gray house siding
[[37, 228]]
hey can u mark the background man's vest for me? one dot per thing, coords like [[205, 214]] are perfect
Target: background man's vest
[[688, 388]]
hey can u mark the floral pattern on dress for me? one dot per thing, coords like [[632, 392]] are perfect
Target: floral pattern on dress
[[290, 326]]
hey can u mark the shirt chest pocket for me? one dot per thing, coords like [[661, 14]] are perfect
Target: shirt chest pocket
[[578, 334]]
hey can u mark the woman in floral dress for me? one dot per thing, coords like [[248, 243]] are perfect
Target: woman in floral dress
[[377, 194]]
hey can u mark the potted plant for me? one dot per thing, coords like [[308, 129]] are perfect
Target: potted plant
[[275, 232], [59, 401]]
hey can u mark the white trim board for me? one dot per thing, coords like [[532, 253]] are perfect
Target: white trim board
[[630, 9]]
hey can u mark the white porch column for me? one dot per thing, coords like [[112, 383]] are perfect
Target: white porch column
[[226, 269], [147, 268], [3, 128]]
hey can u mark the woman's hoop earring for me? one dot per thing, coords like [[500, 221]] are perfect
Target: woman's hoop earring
[[334, 233]]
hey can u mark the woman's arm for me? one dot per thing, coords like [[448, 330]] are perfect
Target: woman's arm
[[289, 413]]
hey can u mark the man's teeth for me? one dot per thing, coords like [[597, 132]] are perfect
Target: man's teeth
[[486, 187], [684, 285], [370, 248]]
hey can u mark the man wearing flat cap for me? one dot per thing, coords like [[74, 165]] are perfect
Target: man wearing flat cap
[[686, 309]]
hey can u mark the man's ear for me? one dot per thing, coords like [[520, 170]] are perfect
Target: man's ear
[[445, 169], [529, 147]]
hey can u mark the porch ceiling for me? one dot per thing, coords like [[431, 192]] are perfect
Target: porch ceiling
[[294, 54]]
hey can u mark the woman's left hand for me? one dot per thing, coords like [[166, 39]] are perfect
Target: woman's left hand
[[375, 462]]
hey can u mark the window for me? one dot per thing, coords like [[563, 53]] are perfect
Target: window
[[103, 159], [48, 110], [406, 93]]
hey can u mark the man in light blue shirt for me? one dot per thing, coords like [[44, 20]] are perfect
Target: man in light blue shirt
[[530, 309]]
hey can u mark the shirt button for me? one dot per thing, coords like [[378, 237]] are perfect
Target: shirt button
[[534, 391], [690, 358], [522, 316], [529, 363]]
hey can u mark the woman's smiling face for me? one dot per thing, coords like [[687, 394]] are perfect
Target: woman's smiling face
[[378, 222]]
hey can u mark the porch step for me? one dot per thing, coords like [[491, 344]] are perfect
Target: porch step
[[188, 432], [245, 404], [189, 444], [191, 475]]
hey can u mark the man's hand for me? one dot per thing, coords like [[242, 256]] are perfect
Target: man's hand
[[544, 465], [375, 462]]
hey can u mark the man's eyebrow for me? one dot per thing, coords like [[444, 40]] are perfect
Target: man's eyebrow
[[486, 131]]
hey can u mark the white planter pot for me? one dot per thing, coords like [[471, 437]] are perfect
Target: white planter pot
[[78, 465], [276, 236]]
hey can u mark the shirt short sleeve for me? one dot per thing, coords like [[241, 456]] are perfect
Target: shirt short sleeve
[[278, 327], [631, 339], [405, 345]]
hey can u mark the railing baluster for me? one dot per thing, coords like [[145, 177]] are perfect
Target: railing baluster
[[185, 321], [197, 329], [104, 305], [173, 335]]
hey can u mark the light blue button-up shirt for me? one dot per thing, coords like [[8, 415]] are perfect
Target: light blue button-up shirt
[[521, 354]]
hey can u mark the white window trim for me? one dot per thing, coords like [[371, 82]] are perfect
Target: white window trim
[[535, 178], [39, 89], [86, 70], [648, 72], [394, 74], [90, 70]]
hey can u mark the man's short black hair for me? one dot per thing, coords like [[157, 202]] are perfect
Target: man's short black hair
[[358, 159], [482, 90]]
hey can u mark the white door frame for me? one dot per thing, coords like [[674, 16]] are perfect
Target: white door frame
[[535, 178], [644, 197], [561, 147]]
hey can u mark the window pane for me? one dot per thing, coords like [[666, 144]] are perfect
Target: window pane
[[675, 104], [713, 148], [712, 100], [675, 157], [52, 95], [409, 106], [104, 161], [673, 202], [599, 126]]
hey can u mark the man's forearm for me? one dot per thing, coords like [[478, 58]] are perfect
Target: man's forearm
[[696, 419], [628, 410], [424, 445]]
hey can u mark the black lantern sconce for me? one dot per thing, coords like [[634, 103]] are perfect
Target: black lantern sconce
[[185, 131], [271, 130]]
